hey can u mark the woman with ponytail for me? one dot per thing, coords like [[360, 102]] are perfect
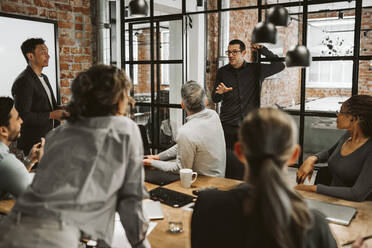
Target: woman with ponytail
[[264, 211], [350, 159]]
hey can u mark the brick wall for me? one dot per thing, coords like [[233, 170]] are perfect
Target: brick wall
[[76, 35]]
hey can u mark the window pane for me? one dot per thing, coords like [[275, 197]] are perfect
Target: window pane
[[329, 77], [170, 83], [365, 77], [167, 7], [331, 33], [196, 49], [320, 134], [201, 5], [170, 40]]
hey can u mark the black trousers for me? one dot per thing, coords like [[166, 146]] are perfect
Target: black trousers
[[231, 136]]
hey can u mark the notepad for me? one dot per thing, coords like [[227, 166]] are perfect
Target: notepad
[[152, 209]]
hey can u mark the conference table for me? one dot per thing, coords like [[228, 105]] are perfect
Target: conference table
[[361, 225]]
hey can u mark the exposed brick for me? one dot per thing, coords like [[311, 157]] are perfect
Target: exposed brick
[[86, 66], [44, 3], [63, 7], [78, 19], [85, 43], [66, 33], [66, 75], [62, 24], [65, 91], [76, 51], [64, 66], [82, 10], [87, 51], [65, 83], [77, 67], [52, 14], [26, 2], [31, 10], [66, 42], [79, 26], [78, 35], [64, 50], [65, 100], [66, 58], [43, 13], [12, 8], [79, 59], [88, 27]]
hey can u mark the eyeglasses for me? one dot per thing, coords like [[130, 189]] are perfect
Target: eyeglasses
[[234, 52]]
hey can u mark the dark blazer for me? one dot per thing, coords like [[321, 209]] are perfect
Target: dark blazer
[[32, 103]]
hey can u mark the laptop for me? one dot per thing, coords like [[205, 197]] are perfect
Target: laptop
[[159, 177], [334, 213]]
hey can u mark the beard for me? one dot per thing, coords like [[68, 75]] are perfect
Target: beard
[[14, 136]]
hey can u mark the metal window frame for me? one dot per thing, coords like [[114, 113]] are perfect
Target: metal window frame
[[302, 113]]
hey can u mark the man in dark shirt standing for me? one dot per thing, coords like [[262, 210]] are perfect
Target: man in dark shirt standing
[[33, 96], [238, 86]]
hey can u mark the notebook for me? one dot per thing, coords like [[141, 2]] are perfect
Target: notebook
[[335, 213], [159, 177], [152, 209]]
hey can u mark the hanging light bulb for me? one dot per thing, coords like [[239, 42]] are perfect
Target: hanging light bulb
[[263, 33], [298, 56], [138, 8], [278, 15]]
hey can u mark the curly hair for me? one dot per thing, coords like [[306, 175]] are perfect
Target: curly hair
[[97, 92], [361, 106]]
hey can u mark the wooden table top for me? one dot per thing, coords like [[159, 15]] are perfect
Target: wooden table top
[[361, 225]]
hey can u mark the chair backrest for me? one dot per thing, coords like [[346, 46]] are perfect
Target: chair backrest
[[145, 141], [234, 168]]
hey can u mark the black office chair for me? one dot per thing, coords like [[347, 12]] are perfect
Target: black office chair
[[145, 141], [234, 168]]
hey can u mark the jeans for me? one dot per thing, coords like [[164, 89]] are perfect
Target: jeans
[[20, 230]]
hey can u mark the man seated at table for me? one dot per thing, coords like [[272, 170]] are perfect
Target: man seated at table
[[14, 175], [200, 142]]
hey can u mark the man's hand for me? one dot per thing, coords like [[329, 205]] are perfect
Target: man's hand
[[154, 157], [37, 151], [58, 114], [255, 47], [147, 162], [221, 88]]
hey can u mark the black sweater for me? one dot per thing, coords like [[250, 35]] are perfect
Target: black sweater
[[246, 84], [218, 221]]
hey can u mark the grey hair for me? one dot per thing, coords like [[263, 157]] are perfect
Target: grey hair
[[193, 96]]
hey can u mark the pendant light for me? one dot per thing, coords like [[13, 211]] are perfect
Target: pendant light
[[263, 33], [278, 15], [138, 8], [298, 56]]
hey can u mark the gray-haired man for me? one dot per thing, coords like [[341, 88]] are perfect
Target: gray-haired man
[[200, 142]]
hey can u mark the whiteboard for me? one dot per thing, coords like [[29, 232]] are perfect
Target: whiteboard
[[13, 31]]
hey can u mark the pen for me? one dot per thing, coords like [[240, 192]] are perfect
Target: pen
[[352, 241]]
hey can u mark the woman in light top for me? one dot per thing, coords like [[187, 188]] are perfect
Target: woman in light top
[[350, 159], [264, 211], [92, 167]]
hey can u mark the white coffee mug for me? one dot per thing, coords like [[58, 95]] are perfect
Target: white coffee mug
[[186, 176]]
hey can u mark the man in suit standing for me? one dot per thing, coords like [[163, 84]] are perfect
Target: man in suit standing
[[33, 96]]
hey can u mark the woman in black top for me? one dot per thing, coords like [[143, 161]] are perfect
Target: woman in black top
[[350, 159], [264, 211]]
